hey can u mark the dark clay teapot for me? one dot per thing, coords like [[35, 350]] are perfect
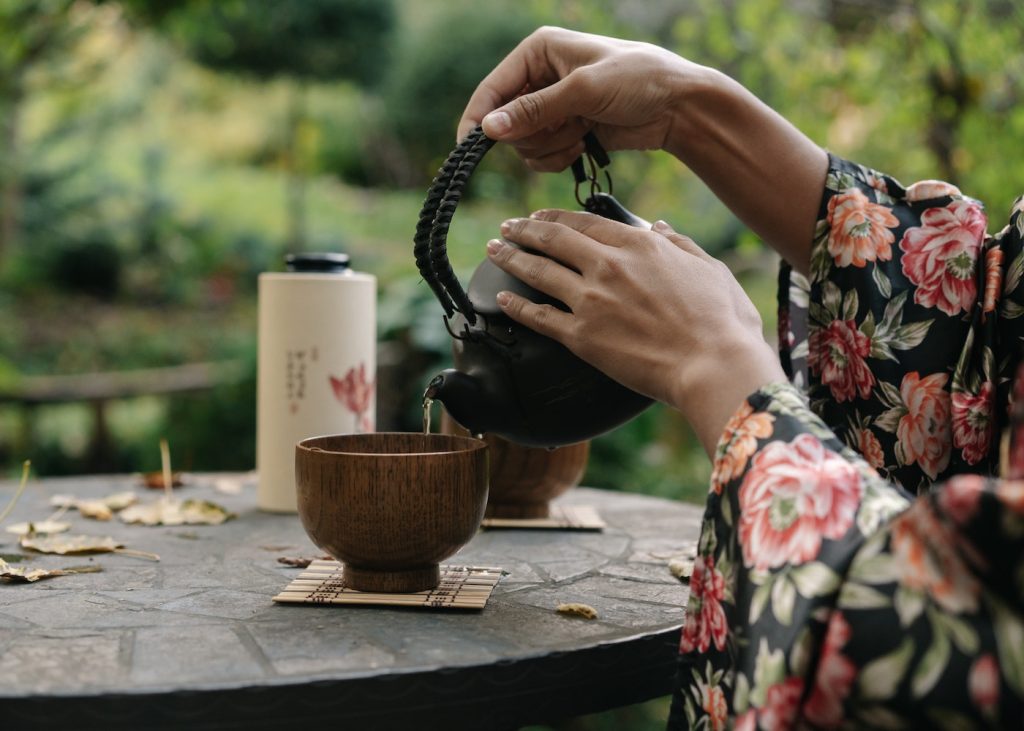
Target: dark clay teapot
[[509, 380]]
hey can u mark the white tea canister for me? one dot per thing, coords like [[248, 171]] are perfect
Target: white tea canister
[[317, 364]]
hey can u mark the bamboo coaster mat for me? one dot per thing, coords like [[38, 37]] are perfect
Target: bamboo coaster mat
[[461, 587], [562, 517]]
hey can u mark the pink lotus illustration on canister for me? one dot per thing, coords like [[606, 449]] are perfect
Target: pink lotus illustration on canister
[[355, 393]]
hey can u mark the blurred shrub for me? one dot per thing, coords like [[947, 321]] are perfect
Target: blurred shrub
[[413, 347], [435, 70], [314, 39], [90, 267], [215, 430], [344, 134]]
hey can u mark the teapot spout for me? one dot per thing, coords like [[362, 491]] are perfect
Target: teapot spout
[[464, 398]]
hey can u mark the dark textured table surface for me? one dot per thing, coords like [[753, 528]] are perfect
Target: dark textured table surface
[[195, 641]]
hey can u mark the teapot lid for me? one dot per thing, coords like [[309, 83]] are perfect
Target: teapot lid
[[323, 262]]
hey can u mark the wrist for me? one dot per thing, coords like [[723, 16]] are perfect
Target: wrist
[[704, 100], [711, 385]]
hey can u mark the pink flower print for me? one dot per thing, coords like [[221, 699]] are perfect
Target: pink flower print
[[993, 279], [713, 703], [705, 618], [925, 190], [870, 448], [929, 561], [973, 415], [859, 229], [355, 393], [940, 255], [923, 433], [781, 705], [794, 495], [983, 684], [834, 679], [959, 497], [837, 354]]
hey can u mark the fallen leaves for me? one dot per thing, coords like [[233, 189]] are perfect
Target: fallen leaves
[[169, 511], [42, 526], [79, 544], [101, 509], [301, 562], [26, 575], [575, 609], [157, 480], [681, 568], [64, 545]]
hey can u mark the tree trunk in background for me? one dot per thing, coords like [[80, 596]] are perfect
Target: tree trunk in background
[[295, 169], [952, 96], [10, 189]]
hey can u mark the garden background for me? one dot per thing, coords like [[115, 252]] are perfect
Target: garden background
[[156, 156]]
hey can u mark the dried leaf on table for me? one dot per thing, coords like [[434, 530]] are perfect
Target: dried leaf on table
[[230, 485], [155, 480], [577, 610], [101, 509], [27, 575], [120, 500], [176, 512], [42, 526], [681, 568], [301, 562], [70, 544]]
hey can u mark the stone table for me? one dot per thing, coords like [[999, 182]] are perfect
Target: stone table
[[195, 641]]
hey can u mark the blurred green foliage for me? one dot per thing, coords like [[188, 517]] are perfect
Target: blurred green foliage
[[432, 77], [156, 155], [312, 39], [145, 145]]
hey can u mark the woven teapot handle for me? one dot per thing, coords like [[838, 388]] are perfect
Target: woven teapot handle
[[431, 239], [430, 244]]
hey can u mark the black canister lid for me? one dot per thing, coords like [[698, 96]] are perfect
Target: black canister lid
[[323, 262]]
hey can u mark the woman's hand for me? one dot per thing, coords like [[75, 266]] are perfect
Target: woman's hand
[[558, 84], [649, 308]]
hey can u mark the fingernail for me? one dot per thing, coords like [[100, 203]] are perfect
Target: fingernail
[[503, 298], [494, 247], [506, 226], [497, 123], [662, 227], [541, 214]]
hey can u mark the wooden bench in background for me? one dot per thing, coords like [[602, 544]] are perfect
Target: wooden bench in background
[[99, 389]]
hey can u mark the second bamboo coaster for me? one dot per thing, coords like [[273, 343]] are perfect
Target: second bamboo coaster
[[561, 517]]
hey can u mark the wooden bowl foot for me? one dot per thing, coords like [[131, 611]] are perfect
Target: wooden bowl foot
[[517, 510], [397, 582]]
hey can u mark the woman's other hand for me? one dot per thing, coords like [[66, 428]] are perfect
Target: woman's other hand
[[558, 84], [649, 308]]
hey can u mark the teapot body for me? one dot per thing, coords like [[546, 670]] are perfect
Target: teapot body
[[518, 384]]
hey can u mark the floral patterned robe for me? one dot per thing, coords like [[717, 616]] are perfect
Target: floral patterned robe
[[859, 566]]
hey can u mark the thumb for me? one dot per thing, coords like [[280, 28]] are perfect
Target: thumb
[[529, 113]]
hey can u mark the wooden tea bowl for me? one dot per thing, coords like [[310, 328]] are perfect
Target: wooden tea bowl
[[523, 480], [391, 506]]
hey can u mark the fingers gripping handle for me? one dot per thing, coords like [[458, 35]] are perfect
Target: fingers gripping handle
[[430, 242]]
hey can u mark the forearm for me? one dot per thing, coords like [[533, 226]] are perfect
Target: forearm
[[762, 167]]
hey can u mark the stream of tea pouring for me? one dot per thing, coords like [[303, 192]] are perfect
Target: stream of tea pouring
[[427, 403]]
